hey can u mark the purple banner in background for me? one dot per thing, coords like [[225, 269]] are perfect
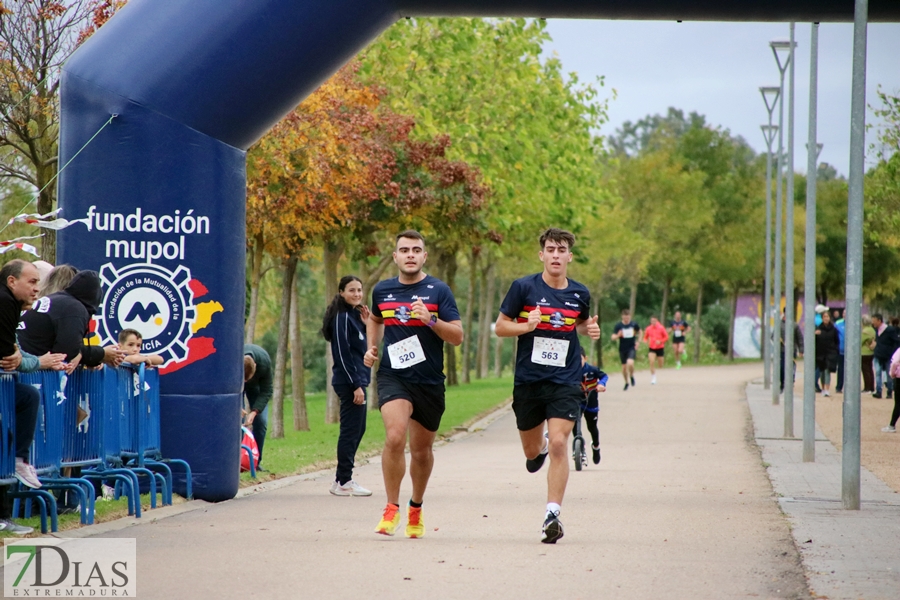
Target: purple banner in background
[[748, 322]]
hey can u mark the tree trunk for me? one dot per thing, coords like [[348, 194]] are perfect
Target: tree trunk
[[298, 376], [276, 427], [734, 300], [330, 259], [485, 332], [498, 357], [482, 319], [255, 279], [470, 311], [632, 302], [698, 330], [665, 300], [449, 266]]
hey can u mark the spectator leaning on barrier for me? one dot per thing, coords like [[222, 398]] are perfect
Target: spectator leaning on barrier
[[20, 280], [258, 383], [60, 322]]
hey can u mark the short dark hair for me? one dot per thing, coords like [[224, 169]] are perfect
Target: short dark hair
[[625, 311], [560, 236], [12, 269], [875, 316], [123, 335], [583, 353], [410, 234]]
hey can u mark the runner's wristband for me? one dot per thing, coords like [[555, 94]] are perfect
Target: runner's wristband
[[433, 321]]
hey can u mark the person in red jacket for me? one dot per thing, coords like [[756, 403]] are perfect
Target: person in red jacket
[[656, 337]]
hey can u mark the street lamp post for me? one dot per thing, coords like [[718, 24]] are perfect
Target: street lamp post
[[809, 279], [776, 333], [850, 449], [789, 258], [770, 97]]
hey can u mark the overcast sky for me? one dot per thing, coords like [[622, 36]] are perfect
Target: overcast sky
[[717, 68]]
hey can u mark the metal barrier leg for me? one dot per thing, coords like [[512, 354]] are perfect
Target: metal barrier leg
[[166, 473], [147, 472], [250, 457], [188, 475], [47, 504]]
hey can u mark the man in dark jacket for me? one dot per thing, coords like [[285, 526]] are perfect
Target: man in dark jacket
[[60, 322], [798, 349], [887, 339], [258, 381], [20, 287]]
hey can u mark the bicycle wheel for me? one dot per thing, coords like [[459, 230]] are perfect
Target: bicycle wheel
[[578, 452]]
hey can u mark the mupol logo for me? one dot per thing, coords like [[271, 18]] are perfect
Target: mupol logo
[[153, 300], [144, 313]]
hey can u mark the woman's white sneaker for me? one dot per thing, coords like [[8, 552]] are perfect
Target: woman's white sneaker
[[889, 429], [351, 488]]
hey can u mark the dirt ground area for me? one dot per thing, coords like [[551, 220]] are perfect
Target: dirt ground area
[[880, 452]]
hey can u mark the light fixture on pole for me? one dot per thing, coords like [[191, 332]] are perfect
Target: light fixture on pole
[[778, 46], [770, 96]]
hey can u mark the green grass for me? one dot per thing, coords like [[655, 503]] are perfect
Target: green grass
[[306, 451], [104, 510]]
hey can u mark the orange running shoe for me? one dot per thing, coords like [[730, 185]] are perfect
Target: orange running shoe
[[389, 520], [415, 526]]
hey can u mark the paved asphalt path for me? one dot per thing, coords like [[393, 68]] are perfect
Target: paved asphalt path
[[680, 507]]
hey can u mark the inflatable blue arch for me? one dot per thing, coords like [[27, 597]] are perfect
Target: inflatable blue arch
[[162, 188]]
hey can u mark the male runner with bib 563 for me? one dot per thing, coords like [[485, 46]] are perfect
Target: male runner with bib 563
[[547, 311], [416, 313]]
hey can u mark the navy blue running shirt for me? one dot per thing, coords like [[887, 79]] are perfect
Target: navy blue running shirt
[[559, 309], [678, 330], [391, 300], [630, 335]]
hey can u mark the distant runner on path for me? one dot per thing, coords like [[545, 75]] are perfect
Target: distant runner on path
[[416, 313], [679, 329], [627, 332], [656, 336], [547, 311]]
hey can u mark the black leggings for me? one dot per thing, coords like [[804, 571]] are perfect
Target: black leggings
[[591, 418], [896, 414]]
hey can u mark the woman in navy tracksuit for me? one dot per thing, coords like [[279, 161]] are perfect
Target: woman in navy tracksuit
[[344, 326]]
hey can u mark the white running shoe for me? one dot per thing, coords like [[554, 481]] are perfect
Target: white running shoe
[[8, 526], [889, 429], [825, 393], [26, 474], [351, 488], [653, 380]]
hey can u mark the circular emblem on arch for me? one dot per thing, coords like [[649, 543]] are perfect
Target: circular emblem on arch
[[152, 300]]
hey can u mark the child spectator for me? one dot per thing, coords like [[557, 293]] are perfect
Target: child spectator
[[130, 341]]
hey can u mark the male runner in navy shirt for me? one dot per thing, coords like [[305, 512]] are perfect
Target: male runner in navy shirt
[[416, 313], [547, 311]]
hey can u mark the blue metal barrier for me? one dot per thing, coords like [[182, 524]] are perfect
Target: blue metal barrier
[[140, 427], [46, 501], [93, 438], [46, 450]]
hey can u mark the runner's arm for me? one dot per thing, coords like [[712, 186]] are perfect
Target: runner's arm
[[449, 331], [509, 327], [374, 333]]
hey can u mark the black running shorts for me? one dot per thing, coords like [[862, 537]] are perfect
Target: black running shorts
[[626, 355], [536, 402], [427, 398], [678, 340], [658, 351]]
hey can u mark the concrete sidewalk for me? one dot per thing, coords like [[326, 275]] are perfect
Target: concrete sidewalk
[[846, 553], [680, 507]]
